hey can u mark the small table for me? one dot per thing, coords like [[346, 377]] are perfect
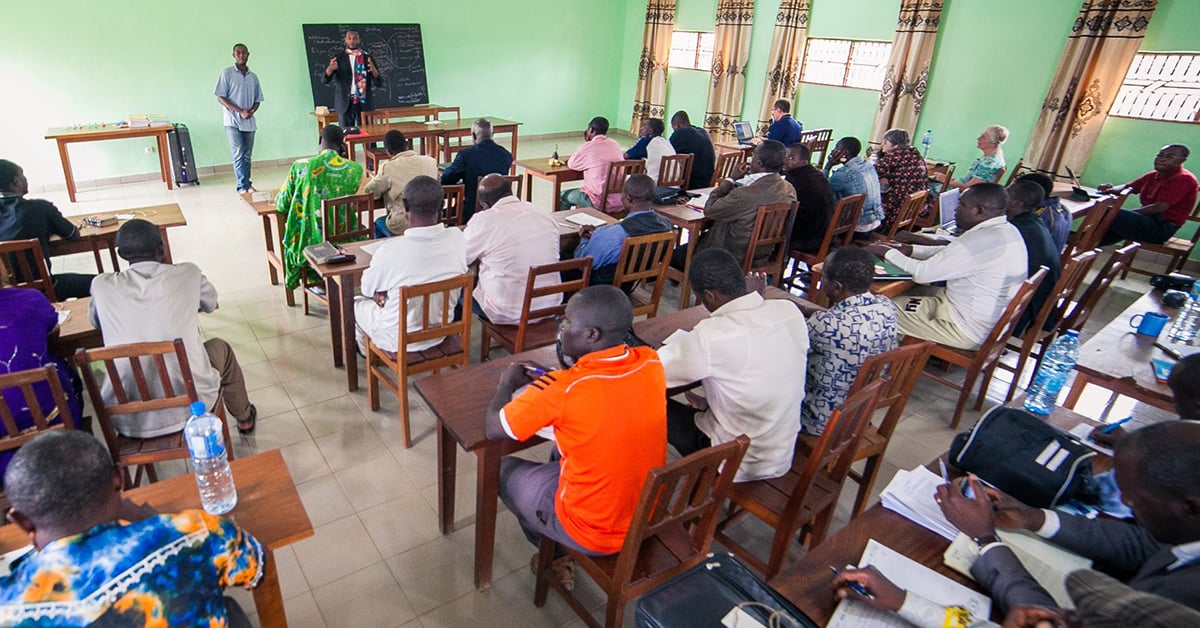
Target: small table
[[77, 332], [462, 128], [890, 288], [733, 147], [372, 134], [94, 238], [428, 112], [693, 221], [568, 232], [266, 210], [556, 175], [63, 136], [268, 507]]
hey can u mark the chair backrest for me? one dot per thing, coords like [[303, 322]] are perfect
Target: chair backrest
[[684, 496], [643, 258], [909, 211], [675, 171], [582, 265], [772, 231], [372, 118], [618, 171], [24, 266], [817, 141], [900, 369], [999, 175], [1072, 276], [1116, 264], [841, 224], [990, 350], [1095, 223], [451, 213], [25, 381], [514, 180], [342, 218], [936, 167], [726, 162], [442, 325]]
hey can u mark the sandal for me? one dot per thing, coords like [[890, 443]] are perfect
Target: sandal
[[563, 570], [246, 426]]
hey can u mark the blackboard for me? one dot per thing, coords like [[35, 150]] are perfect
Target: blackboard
[[395, 48]]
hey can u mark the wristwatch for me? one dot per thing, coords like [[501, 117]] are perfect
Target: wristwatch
[[984, 541]]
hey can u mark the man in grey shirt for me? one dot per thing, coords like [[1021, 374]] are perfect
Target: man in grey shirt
[[240, 94]]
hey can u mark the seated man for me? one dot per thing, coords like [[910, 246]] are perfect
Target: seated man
[[983, 269], [1167, 194], [101, 561], [784, 128], [1056, 217], [592, 159], [507, 239], [856, 176], [310, 181], [1024, 197], [152, 301], [388, 183], [733, 205], [428, 251], [471, 163], [651, 146], [814, 198], [857, 325], [696, 142], [739, 354], [604, 244], [36, 219], [606, 407]]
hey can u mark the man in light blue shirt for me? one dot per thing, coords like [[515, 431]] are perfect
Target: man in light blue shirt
[[603, 244], [856, 176], [240, 94]]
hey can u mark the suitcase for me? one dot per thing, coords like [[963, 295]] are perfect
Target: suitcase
[[183, 160]]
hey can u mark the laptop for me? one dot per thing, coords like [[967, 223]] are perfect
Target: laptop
[[744, 131], [947, 211], [1078, 190]]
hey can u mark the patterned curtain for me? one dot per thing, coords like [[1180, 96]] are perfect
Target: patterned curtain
[[649, 101], [907, 76], [787, 52], [731, 49], [1103, 40]]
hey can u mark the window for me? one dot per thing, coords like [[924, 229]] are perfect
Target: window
[[846, 62], [1161, 86], [691, 50]]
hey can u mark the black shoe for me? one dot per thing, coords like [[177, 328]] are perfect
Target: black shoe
[[251, 420]]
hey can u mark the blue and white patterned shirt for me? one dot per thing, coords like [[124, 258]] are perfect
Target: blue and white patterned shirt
[[840, 340]]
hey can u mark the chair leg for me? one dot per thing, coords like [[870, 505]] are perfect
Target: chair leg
[[962, 403], [485, 344], [614, 613], [870, 471], [542, 578], [372, 376], [304, 288], [819, 528], [151, 472], [985, 382], [402, 397], [1017, 371], [779, 548]]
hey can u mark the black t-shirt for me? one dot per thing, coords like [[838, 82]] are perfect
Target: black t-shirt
[[696, 141], [815, 203], [25, 219]]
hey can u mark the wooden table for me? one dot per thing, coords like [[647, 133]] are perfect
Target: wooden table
[[373, 134], [427, 112], [462, 128], [1118, 359], [556, 175], [63, 136], [733, 147], [273, 222], [77, 332], [568, 233], [693, 221], [94, 238], [890, 288], [459, 399], [268, 508]]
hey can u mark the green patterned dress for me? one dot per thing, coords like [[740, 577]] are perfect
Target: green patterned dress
[[328, 175]]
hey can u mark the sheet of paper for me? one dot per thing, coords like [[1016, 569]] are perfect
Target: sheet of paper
[[370, 249], [1049, 564], [1082, 431], [738, 618], [585, 220], [699, 202], [910, 493], [912, 576], [63, 315]]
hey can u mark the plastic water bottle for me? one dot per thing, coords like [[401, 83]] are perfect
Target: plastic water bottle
[[206, 444], [926, 140], [1052, 374]]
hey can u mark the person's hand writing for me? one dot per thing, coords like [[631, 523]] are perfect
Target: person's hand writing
[[1032, 617], [517, 375], [878, 250], [885, 594], [1011, 514], [973, 516], [1110, 439], [380, 298], [332, 67], [585, 231], [757, 282]]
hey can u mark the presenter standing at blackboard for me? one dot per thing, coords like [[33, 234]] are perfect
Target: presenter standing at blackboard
[[354, 72], [240, 94]]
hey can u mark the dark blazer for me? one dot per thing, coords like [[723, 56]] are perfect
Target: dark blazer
[[342, 76], [815, 199], [734, 209], [471, 163]]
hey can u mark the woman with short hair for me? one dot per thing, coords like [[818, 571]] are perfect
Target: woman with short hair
[[986, 169], [901, 171]]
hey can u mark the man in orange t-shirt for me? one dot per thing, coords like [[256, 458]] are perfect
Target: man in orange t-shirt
[[608, 413]]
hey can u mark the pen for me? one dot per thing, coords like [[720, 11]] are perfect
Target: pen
[[536, 370], [1112, 427], [858, 588], [945, 476], [1169, 351]]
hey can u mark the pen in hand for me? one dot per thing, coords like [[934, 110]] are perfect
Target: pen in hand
[[858, 588], [1112, 427]]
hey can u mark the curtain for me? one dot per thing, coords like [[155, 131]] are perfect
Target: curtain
[[1103, 40], [787, 52], [731, 49], [650, 99], [907, 76]]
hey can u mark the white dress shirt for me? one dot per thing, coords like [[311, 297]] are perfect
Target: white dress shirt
[[658, 148], [508, 239], [421, 255], [983, 269], [750, 355]]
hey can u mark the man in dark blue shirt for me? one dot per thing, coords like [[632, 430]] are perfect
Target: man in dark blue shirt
[[37, 219], [784, 128], [470, 164], [696, 142]]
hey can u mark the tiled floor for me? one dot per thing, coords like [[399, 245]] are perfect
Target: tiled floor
[[377, 558]]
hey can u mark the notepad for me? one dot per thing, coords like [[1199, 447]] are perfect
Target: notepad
[[1084, 431], [585, 220], [910, 493], [1049, 564]]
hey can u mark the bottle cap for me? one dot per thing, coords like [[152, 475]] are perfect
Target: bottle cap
[[1073, 332], [197, 408]]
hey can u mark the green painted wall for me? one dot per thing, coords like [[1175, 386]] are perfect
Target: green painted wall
[[108, 59]]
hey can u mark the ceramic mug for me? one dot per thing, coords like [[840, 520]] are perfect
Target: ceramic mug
[[1152, 323]]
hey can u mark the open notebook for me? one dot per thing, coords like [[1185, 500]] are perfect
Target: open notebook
[[1046, 562]]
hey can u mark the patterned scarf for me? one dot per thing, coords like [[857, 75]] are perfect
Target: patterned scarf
[[358, 65]]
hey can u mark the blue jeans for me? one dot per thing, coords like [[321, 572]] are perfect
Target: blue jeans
[[381, 230], [241, 144]]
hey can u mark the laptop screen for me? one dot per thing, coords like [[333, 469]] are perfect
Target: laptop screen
[[948, 206], [744, 130]]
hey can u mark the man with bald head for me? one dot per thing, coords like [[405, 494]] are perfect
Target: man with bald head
[[507, 237], [1167, 194], [603, 244], [470, 164], [607, 410]]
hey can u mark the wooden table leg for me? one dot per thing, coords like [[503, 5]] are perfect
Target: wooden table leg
[[164, 161], [685, 288], [166, 243], [447, 472], [332, 296], [556, 202], [268, 599], [349, 346], [65, 158], [529, 188], [1081, 382], [514, 150], [270, 243], [487, 494]]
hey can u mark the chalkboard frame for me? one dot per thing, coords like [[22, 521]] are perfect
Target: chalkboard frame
[[398, 52]]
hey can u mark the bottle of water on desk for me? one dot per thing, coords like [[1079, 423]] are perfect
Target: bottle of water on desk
[[926, 140], [205, 437], [1060, 359]]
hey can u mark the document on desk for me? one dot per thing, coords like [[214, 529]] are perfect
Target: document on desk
[[1084, 431], [585, 220], [909, 575], [699, 202], [370, 249], [910, 493], [1049, 564], [63, 315]]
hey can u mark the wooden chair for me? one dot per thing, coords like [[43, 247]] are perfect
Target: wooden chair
[[839, 233], [513, 179], [726, 162], [907, 218], [645, 258], [147, 365], [817, 141], [805, 497], [671, 532], [374, 153], [1178, 249], [341, 221], [1095, 223], [773, 231], [675, 171], [1082, 310], [24, 266], [1056, 305], [15, 436], [940, 167], [451, 214], [981, 363], [452, 350], [999, 175], [900, 368], [538, 326], [614, 183]]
